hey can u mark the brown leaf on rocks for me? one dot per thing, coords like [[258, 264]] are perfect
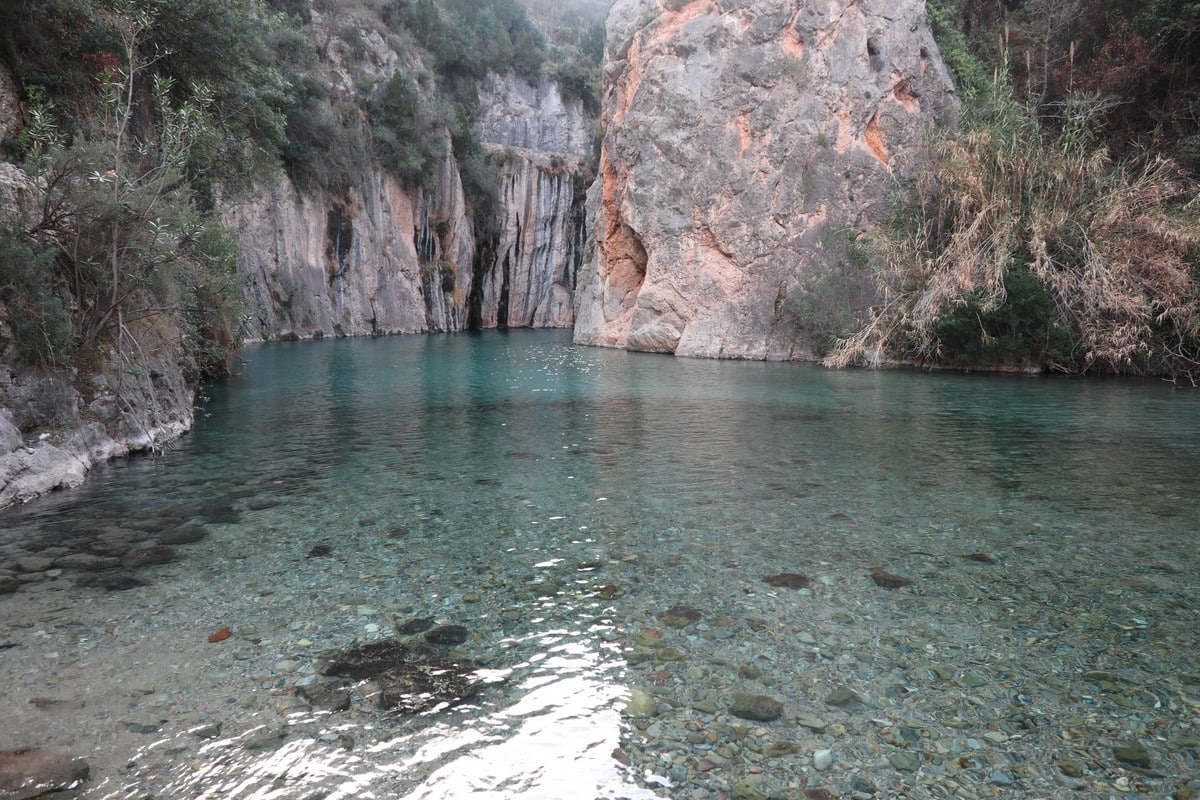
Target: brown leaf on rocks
[[220, 635]]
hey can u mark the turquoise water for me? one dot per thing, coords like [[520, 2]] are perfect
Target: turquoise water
[[556, 499]]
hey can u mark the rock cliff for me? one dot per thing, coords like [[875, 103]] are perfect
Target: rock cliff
[[379, 257], [739, 135]]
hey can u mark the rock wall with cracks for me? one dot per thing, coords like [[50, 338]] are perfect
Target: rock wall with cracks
[[382, 258], [739, 134]]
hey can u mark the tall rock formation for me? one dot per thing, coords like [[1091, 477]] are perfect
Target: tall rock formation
[[739, 134], [379, 257]]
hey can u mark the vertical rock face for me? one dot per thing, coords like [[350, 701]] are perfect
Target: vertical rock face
[[378, 258], [532, 278], [738, 135], [516, 114], [383, 258]]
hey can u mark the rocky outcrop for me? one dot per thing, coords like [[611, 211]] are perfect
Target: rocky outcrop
[[516, 114], [126, 408], [531, 280], [377, 258], [382, 258], [738, 137]]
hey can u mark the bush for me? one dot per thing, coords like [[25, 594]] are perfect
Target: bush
[[1022, 248], [37, 314]]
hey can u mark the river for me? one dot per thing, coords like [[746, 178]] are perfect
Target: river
[[999, 591]]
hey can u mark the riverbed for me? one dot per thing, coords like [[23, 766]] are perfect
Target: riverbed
[[677, 579]]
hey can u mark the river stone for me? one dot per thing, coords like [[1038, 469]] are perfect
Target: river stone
[[9, 584], [413, 688], [367, 660], [113, 580], [414, 626], [640, 705], [447, 635], [905, 761], [85, 562], [1134, 753], [886, 580], [788, 580], [843, 696], [327, 696], [184, 534], [29, 564], [822, 760], [30, 772], [756, 707], [150, 556], [750, 789]]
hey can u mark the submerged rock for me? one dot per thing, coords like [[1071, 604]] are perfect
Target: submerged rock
[[414, 626], [425, 685], [367, 660], [447, 635], [757, 707], [30, 772], [113, 580], [788, 580], [886, 580]]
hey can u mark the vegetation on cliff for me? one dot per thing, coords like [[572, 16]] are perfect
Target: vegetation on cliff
[[1059, 227], [140, 117]]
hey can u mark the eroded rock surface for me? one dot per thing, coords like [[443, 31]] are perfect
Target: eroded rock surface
[[739, 135]]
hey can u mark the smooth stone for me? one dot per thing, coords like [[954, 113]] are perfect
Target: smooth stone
[[822, 760], [184, 534], [85, 562], [30, 772], [447, 635], [1133, 753], [905, 761], [814, 724], [750, 789], [843, 697], [756, 707], [327, 696], [999, 778], [640, 705], [34, 564]]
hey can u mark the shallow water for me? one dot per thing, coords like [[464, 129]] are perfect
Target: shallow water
[[556, 500]]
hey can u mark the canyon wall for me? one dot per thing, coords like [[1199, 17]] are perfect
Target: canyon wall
[[379, 257], [740, 138]]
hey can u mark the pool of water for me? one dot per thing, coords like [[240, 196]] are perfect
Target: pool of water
[[556, 501]]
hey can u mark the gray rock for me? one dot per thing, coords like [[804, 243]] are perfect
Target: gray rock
[[756, 707], [34, 564], [30, 773], [905, 760], [86, 562], [730, 154], [10, 435]]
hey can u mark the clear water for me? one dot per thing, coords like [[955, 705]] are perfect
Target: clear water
[[555, 500]]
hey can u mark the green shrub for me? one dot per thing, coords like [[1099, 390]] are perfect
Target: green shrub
[[36, 311]]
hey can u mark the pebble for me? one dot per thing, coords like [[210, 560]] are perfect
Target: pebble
[[822, 760]]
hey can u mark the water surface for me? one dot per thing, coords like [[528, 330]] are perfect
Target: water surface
[[556, 500]]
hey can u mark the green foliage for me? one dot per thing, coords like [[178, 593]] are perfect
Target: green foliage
[[1024, 330], [824, 306], [971, 77], [469, 38], [36, 311], [407, 136], [119, 240]]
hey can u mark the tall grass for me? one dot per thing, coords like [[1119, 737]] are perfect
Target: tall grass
[[1114, 249]]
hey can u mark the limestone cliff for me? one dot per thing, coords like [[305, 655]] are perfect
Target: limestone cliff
[[738, 135], [380, 257]]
